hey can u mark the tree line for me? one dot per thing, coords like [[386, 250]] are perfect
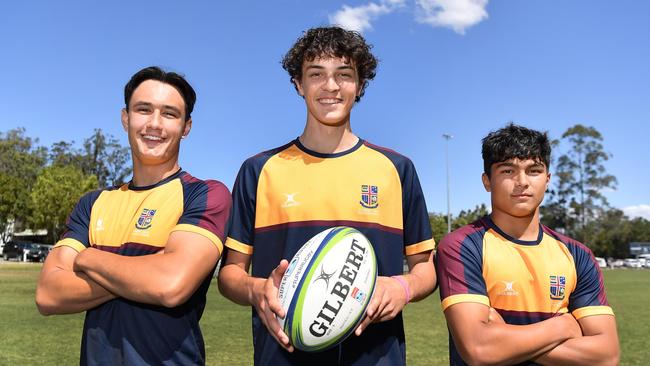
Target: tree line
[[39, 186]]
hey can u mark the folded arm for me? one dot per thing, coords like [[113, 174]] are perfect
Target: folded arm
[[598, 345], [166, 279], [61, 290], [481, 341]]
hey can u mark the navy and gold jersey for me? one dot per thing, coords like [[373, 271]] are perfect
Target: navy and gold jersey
[[525, 281], [135, 221], [285, 196]]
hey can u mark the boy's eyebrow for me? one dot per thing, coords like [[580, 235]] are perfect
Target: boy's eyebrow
[[148, 104], [511, 164], [320, 67]]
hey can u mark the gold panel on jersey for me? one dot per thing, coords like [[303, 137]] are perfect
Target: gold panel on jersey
[[201, 231], [420, 247], [592, 310], [239, 246], [530, 278], [295, 186], [456, 299], [129, 216], [72, 243]]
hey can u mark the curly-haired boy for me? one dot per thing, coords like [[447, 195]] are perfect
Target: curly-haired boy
[[329, 177]]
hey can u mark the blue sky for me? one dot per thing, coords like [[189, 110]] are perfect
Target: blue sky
[[463, 67]]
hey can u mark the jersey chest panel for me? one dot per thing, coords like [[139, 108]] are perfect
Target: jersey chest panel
[[528, 278], [362, 187], [144, 217]]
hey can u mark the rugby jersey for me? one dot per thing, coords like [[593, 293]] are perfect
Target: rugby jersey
[[285, 196], [525, 281], [133, 221]]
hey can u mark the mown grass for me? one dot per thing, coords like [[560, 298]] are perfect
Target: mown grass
[[27, 338]]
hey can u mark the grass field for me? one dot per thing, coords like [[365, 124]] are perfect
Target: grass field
[[27, 338]]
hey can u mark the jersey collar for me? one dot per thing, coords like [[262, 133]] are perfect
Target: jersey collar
[[322, 155], [492, 225]]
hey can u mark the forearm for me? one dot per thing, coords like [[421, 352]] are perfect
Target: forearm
[[524, 343], [152, 279], [421, 279], [485, 344], [63, 291], [588, 351], [599, 345], [237, 285]]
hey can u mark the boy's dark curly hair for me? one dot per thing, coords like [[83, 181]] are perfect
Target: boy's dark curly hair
[[515, 141], [331, 42]]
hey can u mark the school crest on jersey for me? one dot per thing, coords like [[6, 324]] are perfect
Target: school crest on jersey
[[369, 196], [144, 221], [558, 287]]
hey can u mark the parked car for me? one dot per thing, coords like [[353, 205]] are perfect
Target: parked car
[[602, 263], [632, 263], [17, 250], [616, 263], [44, 250]]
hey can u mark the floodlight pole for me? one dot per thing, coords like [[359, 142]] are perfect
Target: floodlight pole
[[447, 138]]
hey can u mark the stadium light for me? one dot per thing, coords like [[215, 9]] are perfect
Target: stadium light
[[447, 138]]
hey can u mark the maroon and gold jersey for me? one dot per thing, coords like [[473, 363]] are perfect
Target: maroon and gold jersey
[[135, 221], [525, 281], [285, 196]]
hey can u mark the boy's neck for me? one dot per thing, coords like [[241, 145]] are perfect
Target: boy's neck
[[524, 228], [328, 139], [146, 175]]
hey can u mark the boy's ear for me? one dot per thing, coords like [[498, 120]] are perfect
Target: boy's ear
[[124, 116], [486, 182], [299, 87]]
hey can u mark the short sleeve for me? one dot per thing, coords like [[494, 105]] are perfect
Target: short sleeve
[[242, 218], [418, 237], [589, 297], [76, 235], [206, 208], [459, 268]]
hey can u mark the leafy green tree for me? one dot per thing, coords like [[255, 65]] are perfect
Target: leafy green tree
[[469, 216], [104, 157], [438, 221], [56, 191], [63, 153], [20, 163], [580, 178], [438, 224], [612, 233]]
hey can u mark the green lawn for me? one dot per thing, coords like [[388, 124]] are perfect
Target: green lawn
[[27, 338]]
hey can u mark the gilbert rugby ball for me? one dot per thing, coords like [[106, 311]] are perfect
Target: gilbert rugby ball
[[327, 287]]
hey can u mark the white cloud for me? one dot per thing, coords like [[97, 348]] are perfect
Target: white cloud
[[638, 211], [455, 14], [359, 18]]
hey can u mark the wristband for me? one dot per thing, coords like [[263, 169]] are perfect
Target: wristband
[[405, 286]]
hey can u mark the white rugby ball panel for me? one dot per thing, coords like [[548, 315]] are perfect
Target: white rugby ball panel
[[327, 287]]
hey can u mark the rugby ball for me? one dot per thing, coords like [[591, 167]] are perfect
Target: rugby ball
[[327, 287]]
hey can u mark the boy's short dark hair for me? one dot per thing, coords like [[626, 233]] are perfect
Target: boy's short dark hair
[[331, 42], [515, 141], [167, 77]]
